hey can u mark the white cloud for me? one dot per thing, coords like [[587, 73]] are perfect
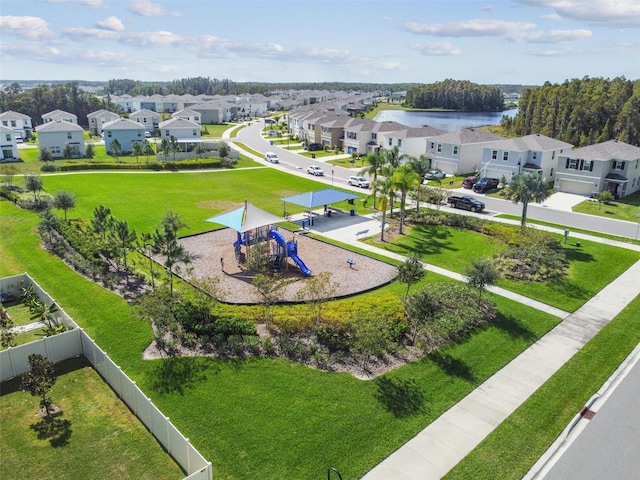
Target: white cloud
[[111, 23], [37, 52], [552, 16], [618, 13], [210, 46], [152, 39], [33, 28], [469, 28], [553, 36], [436, 49], [487, 8], [79, 34], [86, 3], [145, 8]]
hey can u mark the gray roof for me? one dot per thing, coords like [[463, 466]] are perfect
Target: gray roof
[[58, 113], [10, 114], [420, 132], [609, 150], [388, 127], [535, 142], [103, 113], [467, 136], [145, 112], [122, 124], [179, 123], [59, 126]]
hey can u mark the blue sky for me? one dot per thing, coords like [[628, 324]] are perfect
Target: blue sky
[[385, 41]]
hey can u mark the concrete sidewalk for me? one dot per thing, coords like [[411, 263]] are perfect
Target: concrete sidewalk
[[446, 441]]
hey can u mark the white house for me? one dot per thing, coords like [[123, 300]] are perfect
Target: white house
[[98, 118], [56, 135], [8, 145], [461, 151], [147, 118], [18, 122], [56, 115], [612, 165], [184, 131], [410, 141], [126, 131], [188, 114], [531, 153]]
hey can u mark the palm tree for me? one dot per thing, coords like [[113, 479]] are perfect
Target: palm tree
[[392, 157], [174, 146], [405, 180], [148, 149], [165, 147], [526, 187], [420, 165], [376, 162]]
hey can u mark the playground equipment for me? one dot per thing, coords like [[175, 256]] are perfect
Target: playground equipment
[[288, 249]]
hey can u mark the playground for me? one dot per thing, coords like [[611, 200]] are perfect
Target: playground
[[352, 272]]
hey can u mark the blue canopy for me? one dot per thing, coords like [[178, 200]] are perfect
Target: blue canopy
[[245, 218], [319, 198]]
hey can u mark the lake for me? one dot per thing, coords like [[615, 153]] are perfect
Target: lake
[[449, 121]]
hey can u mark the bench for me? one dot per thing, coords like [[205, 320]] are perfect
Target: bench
[[362, 233]]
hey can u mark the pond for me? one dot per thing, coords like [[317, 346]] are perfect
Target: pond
[[449, 121]]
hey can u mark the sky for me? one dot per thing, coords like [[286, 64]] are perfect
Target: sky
[[525, 42]]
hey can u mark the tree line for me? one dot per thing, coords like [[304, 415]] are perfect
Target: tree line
[[456, 95], [580, 111]]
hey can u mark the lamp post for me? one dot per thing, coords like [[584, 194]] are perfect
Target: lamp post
[[332, 177]]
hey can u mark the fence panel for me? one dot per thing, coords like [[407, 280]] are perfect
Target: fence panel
[[158, 426], [205, 473], [178, 446]]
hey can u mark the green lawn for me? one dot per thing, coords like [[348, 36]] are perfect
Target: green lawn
[[215, 130], [523, 437], [103, 439], [626, 208], [589, 271]]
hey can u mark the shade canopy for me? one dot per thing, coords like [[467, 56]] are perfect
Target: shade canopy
[[245, 218], [319, 198]]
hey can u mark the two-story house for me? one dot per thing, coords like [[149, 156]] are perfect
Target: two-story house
[[150, 120], [612, 165], [126, 131], [61, 115], [98, 118], [411, 141], [461, 151], [188, 114], [531, 153], [18, 122], [8, 145], [184, 131], [56, 135], [330, 129]]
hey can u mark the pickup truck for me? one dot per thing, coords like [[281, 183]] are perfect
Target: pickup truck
[[466, 202]]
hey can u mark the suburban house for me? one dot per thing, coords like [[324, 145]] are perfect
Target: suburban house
[[188, 114], [531, 153], [359, 136], [18, 122], [147, 118], [612, 165], [330, 129], [56, 135], [184, 131], [461, 151], [98, 118], [126, 131], [8, 144], [410, 141], [215, 112], [61, 115]]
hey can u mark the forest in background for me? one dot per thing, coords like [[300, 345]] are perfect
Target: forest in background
[[580, 111], [461, 95]]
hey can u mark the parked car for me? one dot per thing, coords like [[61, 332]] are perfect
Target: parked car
[[466, 202], [19, 139], [469, 182], [359, 182], [485, 184], [314, 170], [435, 175], [271, 157], [147, 134], [272, 133], [314, 147]]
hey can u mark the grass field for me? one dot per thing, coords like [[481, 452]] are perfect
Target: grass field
[[626, 208], [102, 438]]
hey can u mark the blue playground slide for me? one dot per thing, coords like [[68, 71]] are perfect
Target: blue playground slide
[[239, 242], [292, 251]]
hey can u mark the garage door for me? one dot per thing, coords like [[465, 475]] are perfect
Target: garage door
[[494, 173], [579, 188]]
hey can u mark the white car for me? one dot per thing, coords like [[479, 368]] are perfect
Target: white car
[[271, 157], [435, 175], [359, 182], [313, 170]]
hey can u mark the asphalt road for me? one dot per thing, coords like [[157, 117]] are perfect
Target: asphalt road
[[251, 136]]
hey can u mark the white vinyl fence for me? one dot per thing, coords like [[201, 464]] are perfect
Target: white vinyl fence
[[15, 361]]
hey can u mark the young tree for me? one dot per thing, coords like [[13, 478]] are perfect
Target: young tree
[[405, 180], [67, 152], [174, 146], [317, 290], [200, 150], [7, 335], [422, 308], [33, 184], [40, 380], [64, 201], [125, 239], [604, 197], [165, 148], [116, 148], [137, 149], [481, 274], [165, 243], [376, 162], [49, 223], [268, 289], [8, 172], [145, 247], [224, 150], [383, 221], [148, 149], [525, 188], [410, 272], [420, 165], [101, 221], [89, 151], [45, 155]]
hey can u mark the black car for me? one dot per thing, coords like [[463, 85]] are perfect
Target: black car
[[485, 184], [314, 147]]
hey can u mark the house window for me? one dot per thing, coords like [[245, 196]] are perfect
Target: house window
[[572, 163], [13, 123], [390, 142], [68, 135], [505, 156], [7, 153], [144, 120], [55, 150], [374, 136], [433, 145], [8, 137], [551, 173], [534, 156], [618, 165], [5, 123], [399, 142], [553, 155], [194, 133], [166, 134], [494, 155], [587, 165], [109, 134], [139, 133], [439, 148]]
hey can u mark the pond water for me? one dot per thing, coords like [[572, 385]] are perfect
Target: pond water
[[449, 121]]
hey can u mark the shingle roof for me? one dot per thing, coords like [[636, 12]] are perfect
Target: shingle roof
[[122, 124], [10, 114], [467, 136], [179, 123], [609, 150], [535, 141], [59, 126]]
